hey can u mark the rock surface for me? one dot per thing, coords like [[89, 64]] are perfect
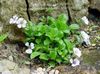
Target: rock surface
[[95, 4], [9, 67], [78, 8], [40, 8], [7, 10]]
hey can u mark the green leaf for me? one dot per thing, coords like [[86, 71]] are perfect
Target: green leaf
[[47, 41], [52, 33], [59, 60], [74, 26], [34, 54], [29, 30], [60, 34], [51, 21], [3, 37], [63, 17], [53, 54], [38, 41], [43, 56], [61, 22], [62, 44], [69, 45]]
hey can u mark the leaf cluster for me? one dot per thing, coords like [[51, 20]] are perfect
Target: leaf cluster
[[52, 39]]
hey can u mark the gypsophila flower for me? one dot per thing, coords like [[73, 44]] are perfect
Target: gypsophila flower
[[30, 47], [13, 20], [85, 20], [21, 23], [85, 37], [77, 52], [74, 62]]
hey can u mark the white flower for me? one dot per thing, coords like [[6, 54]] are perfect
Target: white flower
[[85, 37], [85, 20], [77, 52], [21, 23], [27, 44], [28, 51], [30, 47], [13, 20], [74, 62]]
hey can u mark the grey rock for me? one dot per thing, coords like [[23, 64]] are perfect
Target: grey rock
[[82, 69], [8, 64], [56, 71], [78, 8], [79, 4], [24, 71], [40, 8], [10, 58], [95, 4], [6, 72], [52, 72], [7, 10]]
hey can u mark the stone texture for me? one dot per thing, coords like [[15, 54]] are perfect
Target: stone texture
[[7, 10], [24, 71], [8, 64], [6, 72], [9, 67], [10, 8], [78, 8], [95, 4], [83, 69], [38, 8]]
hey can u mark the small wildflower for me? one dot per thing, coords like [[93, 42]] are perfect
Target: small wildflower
[[85, 37], [30, 47], [21, 23], [77, 52], [74, 62], [13, 20], [85, 20]]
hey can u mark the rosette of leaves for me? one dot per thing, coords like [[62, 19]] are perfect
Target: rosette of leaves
[[51, 39]]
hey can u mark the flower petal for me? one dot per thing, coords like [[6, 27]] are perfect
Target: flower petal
[[28, 51], [20, 21], [19, 26], [77, 52], [71, 60], [27, 44], [85, 37], [11, 21], [75, 62], [32, 45], [24, 24]]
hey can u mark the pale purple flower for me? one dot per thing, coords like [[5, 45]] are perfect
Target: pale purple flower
[[30, 47], [74, 62], [77, 52], [13, 20], [85, 37], [21, 23]]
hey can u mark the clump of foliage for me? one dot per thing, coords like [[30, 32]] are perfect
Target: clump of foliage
[[52, 39]]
